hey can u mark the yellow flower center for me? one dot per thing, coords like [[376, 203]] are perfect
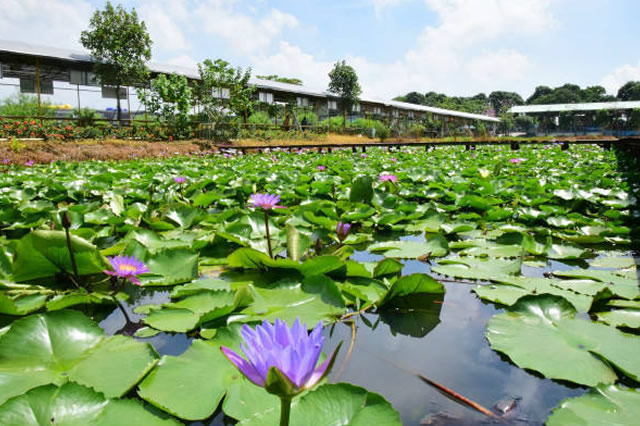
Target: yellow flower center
[[127, 268]]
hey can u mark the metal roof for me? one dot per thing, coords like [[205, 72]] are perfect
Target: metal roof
[[592, 106], [17, 47]]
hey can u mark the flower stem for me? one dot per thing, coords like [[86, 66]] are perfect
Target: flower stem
[[285, 411], [266, 226]]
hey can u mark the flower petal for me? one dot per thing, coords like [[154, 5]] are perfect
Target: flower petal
[[245, 368]]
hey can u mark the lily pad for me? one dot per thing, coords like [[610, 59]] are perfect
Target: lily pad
[[436, 246], [541, 333], [66, 346], [192, 385], [330, 404], [72, 404], [42, 254], [478, 268], [601, 406]]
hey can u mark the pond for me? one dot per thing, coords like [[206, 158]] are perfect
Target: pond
[[507, 280]]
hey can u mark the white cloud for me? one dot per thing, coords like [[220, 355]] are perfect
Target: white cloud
[[50, 22], [165, 20], [454, 57], [380, 5], [620, 76], [184, 61], [243, 32], [291, 61]]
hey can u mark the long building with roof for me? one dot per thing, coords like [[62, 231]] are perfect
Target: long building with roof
[[593, 117], [36, 68]]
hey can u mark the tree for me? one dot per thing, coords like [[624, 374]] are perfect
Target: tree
[[502, 101], [275, 77], [630, 91], [224, 88], [538, 93], [170, 99], [119, 45], [343, 81], [414, 98], [525, 123], [596, 94]]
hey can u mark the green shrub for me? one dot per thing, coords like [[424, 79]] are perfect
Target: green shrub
[[21, 105]]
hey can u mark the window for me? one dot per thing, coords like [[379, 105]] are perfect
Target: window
[[332, 105], [28, 85], [302, 102], [355, 108], [82, 78], [410, 114], [109, 92], [221, 92], [265, 97], [377, 110], [395, 113]]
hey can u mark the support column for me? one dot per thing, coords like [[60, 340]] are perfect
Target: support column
[[38, 86]]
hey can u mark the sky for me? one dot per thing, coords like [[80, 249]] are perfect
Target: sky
[[457, 47]]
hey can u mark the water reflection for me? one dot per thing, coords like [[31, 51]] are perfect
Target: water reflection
[[453, 352]]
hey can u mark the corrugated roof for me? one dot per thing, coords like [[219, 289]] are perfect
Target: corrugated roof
[[592, 106], [18, 47]]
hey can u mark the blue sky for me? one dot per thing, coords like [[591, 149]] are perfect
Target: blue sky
[[459, 47]]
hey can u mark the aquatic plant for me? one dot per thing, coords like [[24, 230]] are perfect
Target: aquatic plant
[[282, 359]]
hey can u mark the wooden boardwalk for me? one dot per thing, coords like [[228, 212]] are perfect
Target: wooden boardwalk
[[606, 143]]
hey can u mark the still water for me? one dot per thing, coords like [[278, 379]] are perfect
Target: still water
[[444, 342]]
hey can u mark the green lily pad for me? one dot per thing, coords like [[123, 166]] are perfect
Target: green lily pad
[[66, 346], [330, 404], [171, 266], [42, 254], [541, 333], [620, 286], [192, 385], [289, 300], [621, 317], [436, 246], [72, 404], [478, 268], [601, 406]]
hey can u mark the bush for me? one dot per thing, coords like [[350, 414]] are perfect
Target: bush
[[22, 105], [85, 116], [416, 131]]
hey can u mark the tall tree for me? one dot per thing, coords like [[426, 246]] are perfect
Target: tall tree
[[276, 77], [120, 45], [169, 98], [502, 101], [630, 91], [538, 93], [343, 81], [223, 87]]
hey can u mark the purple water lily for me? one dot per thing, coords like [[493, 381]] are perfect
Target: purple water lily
[[292, 351], [179, 179], [363, 155], [394, 159], [516, 160], [127, 267], [321, 168], [29, 163], [265, 201], [388, 177], [342, 230]]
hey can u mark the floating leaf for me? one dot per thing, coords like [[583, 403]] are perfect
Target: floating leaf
[[541, 333], [601, 406], [436, 246], [72, 404], [66, 346]]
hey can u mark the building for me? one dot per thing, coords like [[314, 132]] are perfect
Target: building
[[43, 70], [616, 118]]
